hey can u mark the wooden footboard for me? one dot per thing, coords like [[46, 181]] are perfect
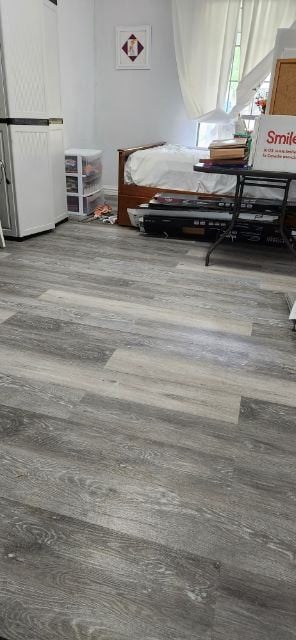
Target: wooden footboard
[[131, 196]]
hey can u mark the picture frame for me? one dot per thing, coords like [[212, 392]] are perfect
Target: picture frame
[[133, 47], [283, 98]]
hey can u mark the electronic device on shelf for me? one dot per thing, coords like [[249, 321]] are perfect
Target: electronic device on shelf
[[251, 226], [172, 201]]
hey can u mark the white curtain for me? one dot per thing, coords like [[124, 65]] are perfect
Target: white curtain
[[205, 32], [260, 21]]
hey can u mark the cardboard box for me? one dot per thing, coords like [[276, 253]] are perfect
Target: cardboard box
[[276, 144]]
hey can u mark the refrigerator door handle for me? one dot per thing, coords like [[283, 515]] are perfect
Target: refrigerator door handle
[[3, 169]]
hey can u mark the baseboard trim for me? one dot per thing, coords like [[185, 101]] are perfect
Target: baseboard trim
[[110, 191]]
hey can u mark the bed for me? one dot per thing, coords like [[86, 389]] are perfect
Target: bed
[[131, 194], [161, 167]]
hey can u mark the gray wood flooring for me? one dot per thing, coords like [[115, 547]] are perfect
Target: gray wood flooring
[[147, 440]]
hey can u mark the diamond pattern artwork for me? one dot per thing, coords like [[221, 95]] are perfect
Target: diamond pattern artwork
[[133, 47]]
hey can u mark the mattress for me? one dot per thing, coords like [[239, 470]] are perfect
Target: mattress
[[171, 167]]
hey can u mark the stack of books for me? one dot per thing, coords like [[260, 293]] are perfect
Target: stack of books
[[227, 153]]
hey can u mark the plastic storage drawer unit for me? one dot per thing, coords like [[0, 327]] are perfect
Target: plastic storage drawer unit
[[84, 180], [85, 205]]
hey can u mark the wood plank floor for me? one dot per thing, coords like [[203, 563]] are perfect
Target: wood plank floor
[[147, 440]]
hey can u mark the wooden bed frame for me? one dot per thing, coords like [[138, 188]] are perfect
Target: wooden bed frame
[[131, 195]]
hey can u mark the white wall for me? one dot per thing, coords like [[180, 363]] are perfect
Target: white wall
[[137, 107], [78, 76]]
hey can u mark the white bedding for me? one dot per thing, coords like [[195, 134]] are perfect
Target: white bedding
[[171, 167]]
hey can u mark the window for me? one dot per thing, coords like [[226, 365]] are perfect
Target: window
[[205, 131], [235, 67], [251, 109]]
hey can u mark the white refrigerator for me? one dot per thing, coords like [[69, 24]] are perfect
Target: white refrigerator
[[32, 175]]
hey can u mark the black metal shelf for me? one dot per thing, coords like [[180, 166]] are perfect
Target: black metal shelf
[[253, 177]]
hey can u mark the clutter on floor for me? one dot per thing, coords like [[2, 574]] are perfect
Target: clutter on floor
[[103, 214]]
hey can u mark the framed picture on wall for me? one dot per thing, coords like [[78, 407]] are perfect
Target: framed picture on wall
[[133, 47]]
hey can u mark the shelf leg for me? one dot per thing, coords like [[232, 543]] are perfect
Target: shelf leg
[[283, 217], [240, 183]]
